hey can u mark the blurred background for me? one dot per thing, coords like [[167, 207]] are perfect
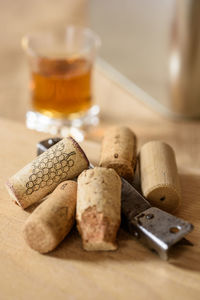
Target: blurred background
[[136, 44], [135, 40]]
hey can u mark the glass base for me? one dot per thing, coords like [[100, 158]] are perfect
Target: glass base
[[63, 127]]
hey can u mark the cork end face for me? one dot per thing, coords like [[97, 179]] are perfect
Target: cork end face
[[164, 198], [39, 237], [12, 193], [97, 232], [77, 146]]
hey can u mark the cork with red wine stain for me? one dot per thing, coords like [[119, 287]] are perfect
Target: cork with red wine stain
[[98, 211]]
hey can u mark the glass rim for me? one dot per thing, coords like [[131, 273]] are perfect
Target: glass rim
[[25, 41]]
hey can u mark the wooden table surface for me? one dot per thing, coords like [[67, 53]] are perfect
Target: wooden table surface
[[132, 272]]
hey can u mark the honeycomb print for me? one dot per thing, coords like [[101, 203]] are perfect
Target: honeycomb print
[[50, 168]]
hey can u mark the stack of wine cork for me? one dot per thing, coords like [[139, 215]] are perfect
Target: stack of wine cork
[[158, 171], [49, 175], [51, 172], [95, 199]]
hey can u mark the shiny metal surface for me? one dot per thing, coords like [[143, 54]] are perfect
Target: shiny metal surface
[[154, 227], [133, 203], [160, 230]]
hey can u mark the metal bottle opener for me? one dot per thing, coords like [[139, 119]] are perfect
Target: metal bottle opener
[[154, 227]]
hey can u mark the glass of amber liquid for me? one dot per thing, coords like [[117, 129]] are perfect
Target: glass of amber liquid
[[61, 65]]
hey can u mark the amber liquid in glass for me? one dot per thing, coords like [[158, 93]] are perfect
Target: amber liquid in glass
[[62, 87]]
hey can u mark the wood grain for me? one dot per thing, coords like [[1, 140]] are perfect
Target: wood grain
[[71, 273]]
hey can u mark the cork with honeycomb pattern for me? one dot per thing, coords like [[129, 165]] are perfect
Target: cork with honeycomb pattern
[[63, 161]]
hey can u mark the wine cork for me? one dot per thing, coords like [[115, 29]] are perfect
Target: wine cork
[[159, 176], [98, 211], [119, 151], [52, 220], [61, 162]]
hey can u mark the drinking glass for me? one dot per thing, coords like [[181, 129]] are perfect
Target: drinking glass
[[61, 66]]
